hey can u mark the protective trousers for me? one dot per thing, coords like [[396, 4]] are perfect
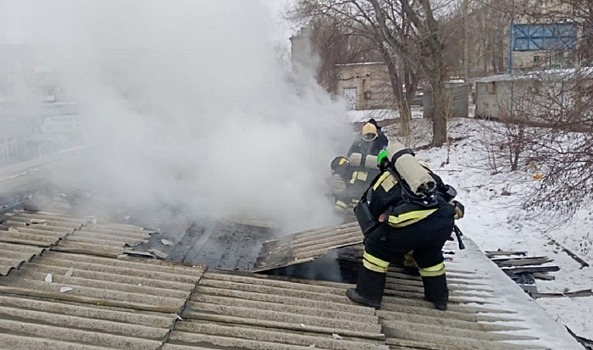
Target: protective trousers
[[371, 282], [426, 238]]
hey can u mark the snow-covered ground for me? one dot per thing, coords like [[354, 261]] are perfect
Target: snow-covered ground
[[495, 220]]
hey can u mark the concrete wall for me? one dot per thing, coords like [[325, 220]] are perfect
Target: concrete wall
[[528, 99], [458, 101], [492, 99], [372, 84]]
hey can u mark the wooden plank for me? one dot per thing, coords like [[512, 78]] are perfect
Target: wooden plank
[[571, 254], [574, 294], [531, 269], [505, 252], [543, 276], [509, 262]]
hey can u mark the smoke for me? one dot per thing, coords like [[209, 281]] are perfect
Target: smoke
[[188, 107]]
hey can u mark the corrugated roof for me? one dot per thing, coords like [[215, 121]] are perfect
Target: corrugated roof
[[306, 246], [243, 311], [91, 298], [61, 300]]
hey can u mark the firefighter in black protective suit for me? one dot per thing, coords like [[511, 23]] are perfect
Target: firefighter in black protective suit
[[353, 169], [398, 224], [372, 140]]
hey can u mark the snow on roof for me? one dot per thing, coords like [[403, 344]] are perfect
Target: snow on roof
[[359, 64], [543, 74]]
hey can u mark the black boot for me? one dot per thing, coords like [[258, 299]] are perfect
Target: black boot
[[435, 291], [369, 288]]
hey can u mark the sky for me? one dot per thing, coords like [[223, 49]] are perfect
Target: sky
[[188, 104], [494, 218]]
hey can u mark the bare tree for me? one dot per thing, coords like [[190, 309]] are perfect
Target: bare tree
[[406, 32], [552, 112]]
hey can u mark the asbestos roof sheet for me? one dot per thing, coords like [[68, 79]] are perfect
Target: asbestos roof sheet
[[38, 229], [13, 255], [103, 239], [245, 311], [486, 310], [62, 300], [306, 246]]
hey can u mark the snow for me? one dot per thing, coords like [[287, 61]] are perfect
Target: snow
[[494, 219]]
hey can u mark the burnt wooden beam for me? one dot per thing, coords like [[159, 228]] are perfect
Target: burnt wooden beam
[[509, 262], [530, 269]]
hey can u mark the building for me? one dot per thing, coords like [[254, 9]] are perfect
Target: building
[[533, 96], [365, 85], [544, 34], [37, 115]]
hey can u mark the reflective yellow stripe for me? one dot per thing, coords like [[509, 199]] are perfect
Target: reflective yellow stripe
[[374, 264], [433, 271], [354, 177], [341, 204], [359, 175], [409, 218], [381, 179]]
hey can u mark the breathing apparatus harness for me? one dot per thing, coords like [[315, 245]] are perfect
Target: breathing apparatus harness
[[426, 199]]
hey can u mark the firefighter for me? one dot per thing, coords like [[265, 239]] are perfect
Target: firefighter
[[370, 141], [382, 139], [357, 172], [399, 220]]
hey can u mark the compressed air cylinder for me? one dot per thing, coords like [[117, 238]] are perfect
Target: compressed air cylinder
[[410, 170], [356, 159]]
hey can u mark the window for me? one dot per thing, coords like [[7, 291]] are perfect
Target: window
[[535, 37]]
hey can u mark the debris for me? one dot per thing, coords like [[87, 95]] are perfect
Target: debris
[[179, 317], [538, 176], [573, 294], [166, 242], [337, 336], [302, 325], [571, 254], [65, 289], [69, 272], [531, 260], [38, 221], [490, 254], [158, 253], [138, 253], [133, 243], [312, 346], [48, 278]]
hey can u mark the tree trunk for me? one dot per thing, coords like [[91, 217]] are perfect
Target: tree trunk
[[403, 106], [440, 111]]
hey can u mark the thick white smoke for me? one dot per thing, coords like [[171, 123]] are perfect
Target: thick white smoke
[[189, 107]]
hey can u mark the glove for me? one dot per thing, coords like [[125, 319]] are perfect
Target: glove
[[459, 209]]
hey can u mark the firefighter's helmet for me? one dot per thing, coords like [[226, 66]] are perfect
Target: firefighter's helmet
[[369, 132]]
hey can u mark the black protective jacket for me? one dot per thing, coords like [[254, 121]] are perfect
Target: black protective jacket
[[369, 147]]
